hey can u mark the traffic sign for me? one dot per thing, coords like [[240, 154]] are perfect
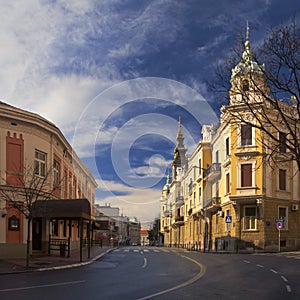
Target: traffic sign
[[279, 225], [228, 219], [279, 220]]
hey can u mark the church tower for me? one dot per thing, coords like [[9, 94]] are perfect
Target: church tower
[[180, 159]]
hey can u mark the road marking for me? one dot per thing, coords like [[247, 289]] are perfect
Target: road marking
[[284, 279], [275, 272], [41, 286], [288, 288], [260, 266], [126, 250], [146, 250], [190, 281], [136, 250], [156, 250], [247, 261], [145, 263]]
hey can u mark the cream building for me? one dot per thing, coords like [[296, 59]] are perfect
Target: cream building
[[34, 150]]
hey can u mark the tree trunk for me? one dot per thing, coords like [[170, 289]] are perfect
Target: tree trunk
[[28, 242]]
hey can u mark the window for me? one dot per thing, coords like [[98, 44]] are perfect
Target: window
[[246, 175], [283, 214], [200, 196], [227, 147], [282, 142], [217, 223], [54, 227], [227, 183], [56, 173], [282, 180], [246, 135], [245, 85], [40, 163], [250, 218], [217, 156], [199, 165], [13, 223]]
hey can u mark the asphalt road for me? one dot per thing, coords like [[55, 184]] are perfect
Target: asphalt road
[[161, 273]]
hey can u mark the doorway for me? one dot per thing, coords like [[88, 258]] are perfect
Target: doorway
[[37, 234]]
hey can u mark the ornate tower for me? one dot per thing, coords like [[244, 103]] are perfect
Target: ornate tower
[[180, 159], [247, 78]]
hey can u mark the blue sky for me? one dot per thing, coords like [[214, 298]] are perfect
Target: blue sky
[[115, 75]]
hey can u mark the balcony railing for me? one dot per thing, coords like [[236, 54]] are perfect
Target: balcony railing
[[212, 172], [167, 213], [179, 219], [212, 201]]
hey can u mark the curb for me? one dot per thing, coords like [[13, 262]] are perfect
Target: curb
[[81, 264]]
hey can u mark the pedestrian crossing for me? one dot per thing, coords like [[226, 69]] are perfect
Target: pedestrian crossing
[[145, 250]]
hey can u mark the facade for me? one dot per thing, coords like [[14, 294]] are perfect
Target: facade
[[229, 195], [113, 227], [32, 146]]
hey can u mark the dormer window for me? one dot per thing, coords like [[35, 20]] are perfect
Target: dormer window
[[245, 85]]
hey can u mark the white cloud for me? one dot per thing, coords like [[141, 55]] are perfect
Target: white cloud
[[142, 203]]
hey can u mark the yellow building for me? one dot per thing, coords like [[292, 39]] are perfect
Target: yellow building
[[232, 195]]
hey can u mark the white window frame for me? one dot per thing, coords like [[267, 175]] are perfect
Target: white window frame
[[252, 135], [40, 164], [245, 220], [253, 174]]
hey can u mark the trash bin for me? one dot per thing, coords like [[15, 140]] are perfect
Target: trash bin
[[62, 249]]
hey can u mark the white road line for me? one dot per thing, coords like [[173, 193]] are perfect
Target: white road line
[[156, 250], [288, 288], [145, 263], [135, 250], [126, 250], [247, 261], [201, 273], [284, 278], [275, 272], [146, 250], [41, 286], [260, 266]]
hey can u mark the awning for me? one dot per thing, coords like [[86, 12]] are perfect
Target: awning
[[62, 208]]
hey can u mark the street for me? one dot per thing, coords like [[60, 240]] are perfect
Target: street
[[163, 273]]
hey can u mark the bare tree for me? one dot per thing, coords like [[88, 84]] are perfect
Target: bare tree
[[28, 187], [266, 84]]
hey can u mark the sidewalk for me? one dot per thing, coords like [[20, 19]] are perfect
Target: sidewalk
[[53, 262]]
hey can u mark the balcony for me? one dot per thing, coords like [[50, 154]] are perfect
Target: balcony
[[166, 213], [179, 220], [179, 201], [212, 172], [214, 202], [166, 229]]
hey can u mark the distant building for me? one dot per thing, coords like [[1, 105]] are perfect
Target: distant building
[[134, 228], [144, 237]]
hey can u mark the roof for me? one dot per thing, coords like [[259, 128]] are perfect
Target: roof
[[63, 208]]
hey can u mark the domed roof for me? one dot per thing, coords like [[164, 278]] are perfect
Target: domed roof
[[246, 66]]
